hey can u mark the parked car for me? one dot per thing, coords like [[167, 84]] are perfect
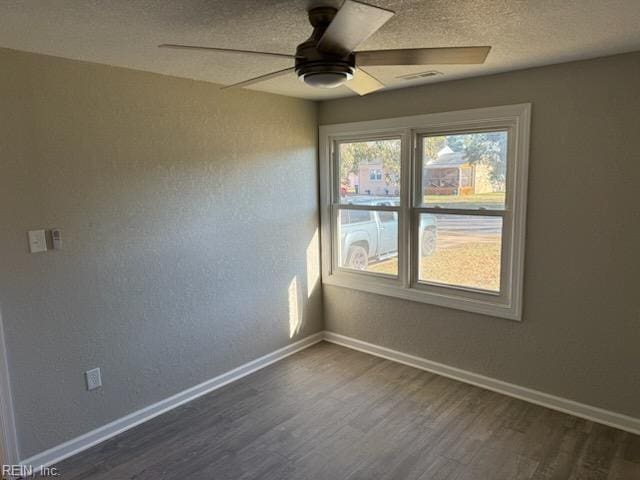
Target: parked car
[[368, 236]]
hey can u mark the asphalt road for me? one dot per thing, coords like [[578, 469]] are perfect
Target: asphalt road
[[456, 224], [456, 230]]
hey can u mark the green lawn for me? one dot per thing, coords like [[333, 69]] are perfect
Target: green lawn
[[475, 265]]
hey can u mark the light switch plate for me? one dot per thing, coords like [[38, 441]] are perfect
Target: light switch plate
[[37, 241]]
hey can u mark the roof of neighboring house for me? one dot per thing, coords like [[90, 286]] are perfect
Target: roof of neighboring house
[[447, 158]]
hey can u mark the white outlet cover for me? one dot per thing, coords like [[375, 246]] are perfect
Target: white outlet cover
[[37, 241], [94, 379]]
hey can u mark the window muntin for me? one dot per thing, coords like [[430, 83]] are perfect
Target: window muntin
[[495, 288]]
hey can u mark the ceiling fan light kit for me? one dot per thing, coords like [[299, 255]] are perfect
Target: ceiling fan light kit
[[327, 59], [326, 78], [316, 68]]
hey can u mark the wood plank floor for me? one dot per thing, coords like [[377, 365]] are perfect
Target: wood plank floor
[[333, 413]]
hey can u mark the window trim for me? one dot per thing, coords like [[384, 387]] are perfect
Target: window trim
[[516, 120]]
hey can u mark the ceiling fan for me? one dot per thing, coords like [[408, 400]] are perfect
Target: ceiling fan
[[328, 58]]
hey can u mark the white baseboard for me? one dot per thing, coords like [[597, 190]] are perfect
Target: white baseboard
[[9, 453], [588, 412], [99, 435]]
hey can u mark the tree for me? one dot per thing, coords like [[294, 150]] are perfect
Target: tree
[[348, 162], [432, 146], [485, 149]]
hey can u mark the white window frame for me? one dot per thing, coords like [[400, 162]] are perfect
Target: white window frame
[[515, 119]]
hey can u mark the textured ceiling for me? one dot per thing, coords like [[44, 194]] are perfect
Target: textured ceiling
[[125, 33]]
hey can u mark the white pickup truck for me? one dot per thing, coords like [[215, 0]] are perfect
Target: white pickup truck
[[368, 236]]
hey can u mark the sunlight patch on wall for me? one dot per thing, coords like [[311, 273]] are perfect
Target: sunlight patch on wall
[[313, 263], [295, 310]]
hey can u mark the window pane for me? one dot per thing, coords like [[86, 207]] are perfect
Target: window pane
[[368, 241], [465, 170], [460, 250], [348, 217], [369, 171]]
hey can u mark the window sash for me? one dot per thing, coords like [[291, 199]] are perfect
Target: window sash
[[359, 138], [404, 135], [418, 207], [415, 257], [418, 160], [335, 241]]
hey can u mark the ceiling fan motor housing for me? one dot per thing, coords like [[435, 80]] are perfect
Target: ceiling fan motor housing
[[317, 68]]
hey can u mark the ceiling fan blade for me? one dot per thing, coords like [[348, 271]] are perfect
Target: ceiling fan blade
[[352, 25], [363, 83], [424, 56], [261, 78], [225, 50]]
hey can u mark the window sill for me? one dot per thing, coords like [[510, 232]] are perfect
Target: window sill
[[458, 302]]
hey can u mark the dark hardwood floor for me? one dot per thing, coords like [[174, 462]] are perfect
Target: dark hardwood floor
[[333, 413]]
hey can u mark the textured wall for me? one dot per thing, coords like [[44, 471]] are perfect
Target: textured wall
[[580, 334], [189, 222]]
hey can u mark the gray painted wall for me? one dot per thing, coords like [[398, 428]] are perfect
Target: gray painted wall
[[186, 214], [580, 334]]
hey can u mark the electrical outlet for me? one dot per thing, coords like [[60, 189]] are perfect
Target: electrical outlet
[[94, 379]]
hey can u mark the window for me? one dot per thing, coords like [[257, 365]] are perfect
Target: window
[[375, 174], [429, 208]]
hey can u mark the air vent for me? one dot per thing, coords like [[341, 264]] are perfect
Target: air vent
[[414, 76]]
